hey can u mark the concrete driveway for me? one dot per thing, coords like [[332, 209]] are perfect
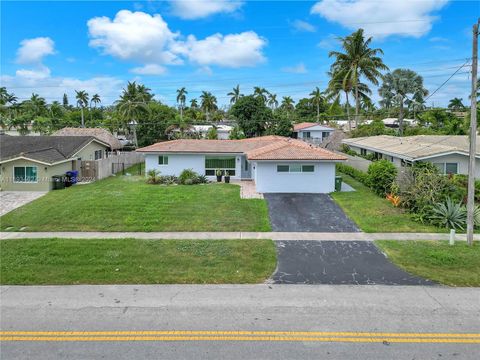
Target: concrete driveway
[[307, 213], [11, 200], [338, 263]]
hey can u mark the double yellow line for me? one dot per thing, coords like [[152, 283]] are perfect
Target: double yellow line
[[192, 335]]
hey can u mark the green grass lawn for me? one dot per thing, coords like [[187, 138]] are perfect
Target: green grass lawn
[[457, 265], [127, 203], [375, 214], [133, 261]]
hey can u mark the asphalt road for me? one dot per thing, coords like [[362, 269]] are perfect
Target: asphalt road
[[318, 322]]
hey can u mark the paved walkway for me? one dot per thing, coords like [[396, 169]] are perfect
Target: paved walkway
[[345, 236], [10, 200], [247, 189]]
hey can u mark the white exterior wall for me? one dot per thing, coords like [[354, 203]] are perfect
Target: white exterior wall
[[268, 180], [179, 162], [461, 160]]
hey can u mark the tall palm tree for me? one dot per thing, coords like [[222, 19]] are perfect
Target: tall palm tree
[[456, 104], [272, 101], [208, 103], [356, 61], [95, 100], [194, 104], [288, 104], [235, 94], [82, 102], [144, 93], [181, 99], [259, 92], [317, 99], [36, 105], [403, 86]]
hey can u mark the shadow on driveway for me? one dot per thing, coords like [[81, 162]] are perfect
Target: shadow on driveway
[[338, 262]]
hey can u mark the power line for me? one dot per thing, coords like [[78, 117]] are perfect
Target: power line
[[451, 76]]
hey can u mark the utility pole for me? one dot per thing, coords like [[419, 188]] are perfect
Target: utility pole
[[473, 139]]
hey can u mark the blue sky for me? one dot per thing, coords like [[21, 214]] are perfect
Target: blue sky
[[56, 47]]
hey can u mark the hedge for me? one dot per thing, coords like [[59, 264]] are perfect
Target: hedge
[[354, 173]]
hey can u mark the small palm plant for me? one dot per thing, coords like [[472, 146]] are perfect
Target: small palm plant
[[449, 214], [153, 176]]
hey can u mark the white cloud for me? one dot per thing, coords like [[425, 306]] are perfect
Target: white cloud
[[32, 51], [149, 69], [300, 25], [329, 42], [297, 69], [381, 18], [232, 50], [133, 36], [438, 39], [42, 72], [196, 9]]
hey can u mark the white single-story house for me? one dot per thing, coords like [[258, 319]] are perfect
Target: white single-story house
[[201, 131], [276, 164], [312, 132], [448, 152]]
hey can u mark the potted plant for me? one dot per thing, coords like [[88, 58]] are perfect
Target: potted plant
[[227, 177], [218, 172]]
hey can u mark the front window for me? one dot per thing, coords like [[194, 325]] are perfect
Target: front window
[[25, 174], [451, 168], [295, 168], [98, 154], [163, 160], [363, 152], [306, 134], [325, 134], [222, 163]]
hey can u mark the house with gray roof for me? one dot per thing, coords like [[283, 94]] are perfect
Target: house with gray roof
[[448, 152], [27, 163]]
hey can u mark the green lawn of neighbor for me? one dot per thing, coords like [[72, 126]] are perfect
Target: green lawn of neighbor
[[457, 265], [133, 261], [375, 214], [127, 203]]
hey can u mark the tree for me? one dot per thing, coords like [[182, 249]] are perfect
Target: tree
[[281, 125], [82, 102], [262, 93], [252, 115], [403, 86], [235, 94], [212, 133], [208, 103], [288, 105], [181, 99], [272, 101], [317, 99], [236, 134], [153, 123], [95, 100], [65, 101], [305, 110], [194, 104], [456, 104], [356, 61]]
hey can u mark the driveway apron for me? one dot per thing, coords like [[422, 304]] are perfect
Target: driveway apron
[[338, 262], [307, 213]]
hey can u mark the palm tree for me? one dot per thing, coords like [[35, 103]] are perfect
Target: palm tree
[[36, 105], [181, 99], [403, 86], [337, 85], [144, 93], [259, 92], [235, 94], [272, 101], [356, 61], [456, 104], [194, 104], [208, 103], [95, 100], [82, 102], [317, 99], [288, 104]]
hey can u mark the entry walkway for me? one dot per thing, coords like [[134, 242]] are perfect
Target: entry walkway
[[278, 236]]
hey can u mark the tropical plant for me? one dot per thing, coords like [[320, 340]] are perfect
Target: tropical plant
[[287, 104], [133, 102], [82, 102], [95, 100], [212, 133], [181, 99], [153, 176], [194, 104], [235, 94], [456, 104], [261, 93], [65, 101], [357, 60], [252, 115], [381, 176], [402, 86], [317, 99], [449, 214], [236, 134], [208, 103], [272, 101]]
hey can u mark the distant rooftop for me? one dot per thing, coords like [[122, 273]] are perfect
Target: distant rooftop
[[100, 133]]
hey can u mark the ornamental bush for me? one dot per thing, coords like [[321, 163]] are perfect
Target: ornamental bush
[[381, 176]]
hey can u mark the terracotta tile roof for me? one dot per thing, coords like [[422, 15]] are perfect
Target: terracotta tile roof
[[304, 125], [260, 148], [101, 134]]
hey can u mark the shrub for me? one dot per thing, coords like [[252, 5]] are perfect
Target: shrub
[[381, 175], [153, 176], [346, 149], [354, 173], [187, 174], [168, 180], [449, 214]]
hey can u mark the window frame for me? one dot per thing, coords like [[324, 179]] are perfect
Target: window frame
[[25, 174], [302, 170], [163, 157], [306, 135], [232, 171]]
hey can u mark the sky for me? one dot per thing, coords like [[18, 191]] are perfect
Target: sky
[[57, 47]]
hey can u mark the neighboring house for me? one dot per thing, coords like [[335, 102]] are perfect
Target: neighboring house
[[99, 133], [312, 132], [27, 163], [448, 152], [201, 131], [275, 163], [393, 122]]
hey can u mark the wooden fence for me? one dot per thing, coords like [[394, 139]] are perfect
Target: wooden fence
[[115, 162]]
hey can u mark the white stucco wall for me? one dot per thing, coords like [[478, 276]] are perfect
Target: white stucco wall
[[179, 162], [461, 160], [268, 180]]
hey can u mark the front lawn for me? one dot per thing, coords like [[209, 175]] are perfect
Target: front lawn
[[133, 261], [127, 203], [375, 214], [457, 265]]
